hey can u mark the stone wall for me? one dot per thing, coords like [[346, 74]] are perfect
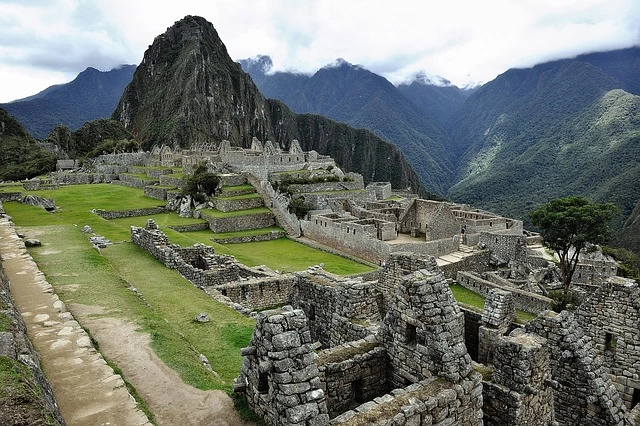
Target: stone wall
[[116, 214], [477, 262], [423, 332], [279, 379], [156, 192], [259, 293], [10, 196], [352, 373], [395, 268], [15, 345], [233, 204], [190, 228], [611, 317], [279, 205], [133, 181], [177, 182], [316, 295], [326, 186], [321, 200], [583, 393], [203, 268], [272, 235], [523, 300], [80, 178], [519, 391], [506, 247], [434, 219], [240, 222], [124, 159]]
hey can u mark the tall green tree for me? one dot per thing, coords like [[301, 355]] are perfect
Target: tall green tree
[[568, 226]]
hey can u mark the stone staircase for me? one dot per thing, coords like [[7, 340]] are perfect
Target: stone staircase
[[456, 256]]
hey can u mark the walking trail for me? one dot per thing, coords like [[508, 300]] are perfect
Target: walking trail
[[86, 388]]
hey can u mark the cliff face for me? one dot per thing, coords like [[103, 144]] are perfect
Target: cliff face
[[187, 90]]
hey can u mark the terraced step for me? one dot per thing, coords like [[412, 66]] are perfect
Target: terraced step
[[239, 220], [260, 234], [238, 202], [237, 190]]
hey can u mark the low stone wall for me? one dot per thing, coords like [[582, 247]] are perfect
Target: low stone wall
[[259, 294], [477, 262], [273, 235], [15, 345], [225, 192], [135, 181], [153, 172], [435, 248], [239, 223], [352, 373], [190, 228], [232, 179], [177, 182], [523, 300], [234, 204], [116, 214], [156, 192], [432, 401], [319, 200], [78, 178], [326, 186], [10, 196]]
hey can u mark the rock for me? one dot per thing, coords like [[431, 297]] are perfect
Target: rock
[[32, 242], [202, 317], [45, 203], [87, 230]]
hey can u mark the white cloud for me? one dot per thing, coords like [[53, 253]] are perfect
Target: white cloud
[[460, 40]]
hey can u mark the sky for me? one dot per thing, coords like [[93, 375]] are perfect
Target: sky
[[46, 42]]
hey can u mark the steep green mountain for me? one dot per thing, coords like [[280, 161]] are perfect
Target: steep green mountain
[[20, 156], [435, 100], [629, 235], [560, 128], [353, 95], [91, 95], [187, 90]]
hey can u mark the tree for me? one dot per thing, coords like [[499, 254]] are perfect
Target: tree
[[568, 226], [201, 184]]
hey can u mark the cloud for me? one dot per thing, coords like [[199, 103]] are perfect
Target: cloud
[[460, 40]]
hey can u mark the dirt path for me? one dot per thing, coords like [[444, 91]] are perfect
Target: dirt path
[[171, 400], [86, 388]]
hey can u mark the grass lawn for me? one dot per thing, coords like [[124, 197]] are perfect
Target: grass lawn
[[473, 299], [239, 197], [82, 275]]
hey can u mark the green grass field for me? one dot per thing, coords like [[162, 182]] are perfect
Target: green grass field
[[82, 275], [473, 299]]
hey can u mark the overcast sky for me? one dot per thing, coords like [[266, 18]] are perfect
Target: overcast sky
[[45, 42]]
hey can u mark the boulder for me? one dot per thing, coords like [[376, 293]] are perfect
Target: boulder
[[202, 317], [32, 242]]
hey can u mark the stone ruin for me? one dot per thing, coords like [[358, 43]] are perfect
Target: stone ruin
[[394, 351]]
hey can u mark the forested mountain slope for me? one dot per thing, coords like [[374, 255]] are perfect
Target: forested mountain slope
[[91, 95]]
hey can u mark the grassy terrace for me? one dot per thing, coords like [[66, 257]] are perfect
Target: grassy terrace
[[81, 275], [474, 300], [246, 187], [240, 197], [141, 176], [247, 212], [245, 233]]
